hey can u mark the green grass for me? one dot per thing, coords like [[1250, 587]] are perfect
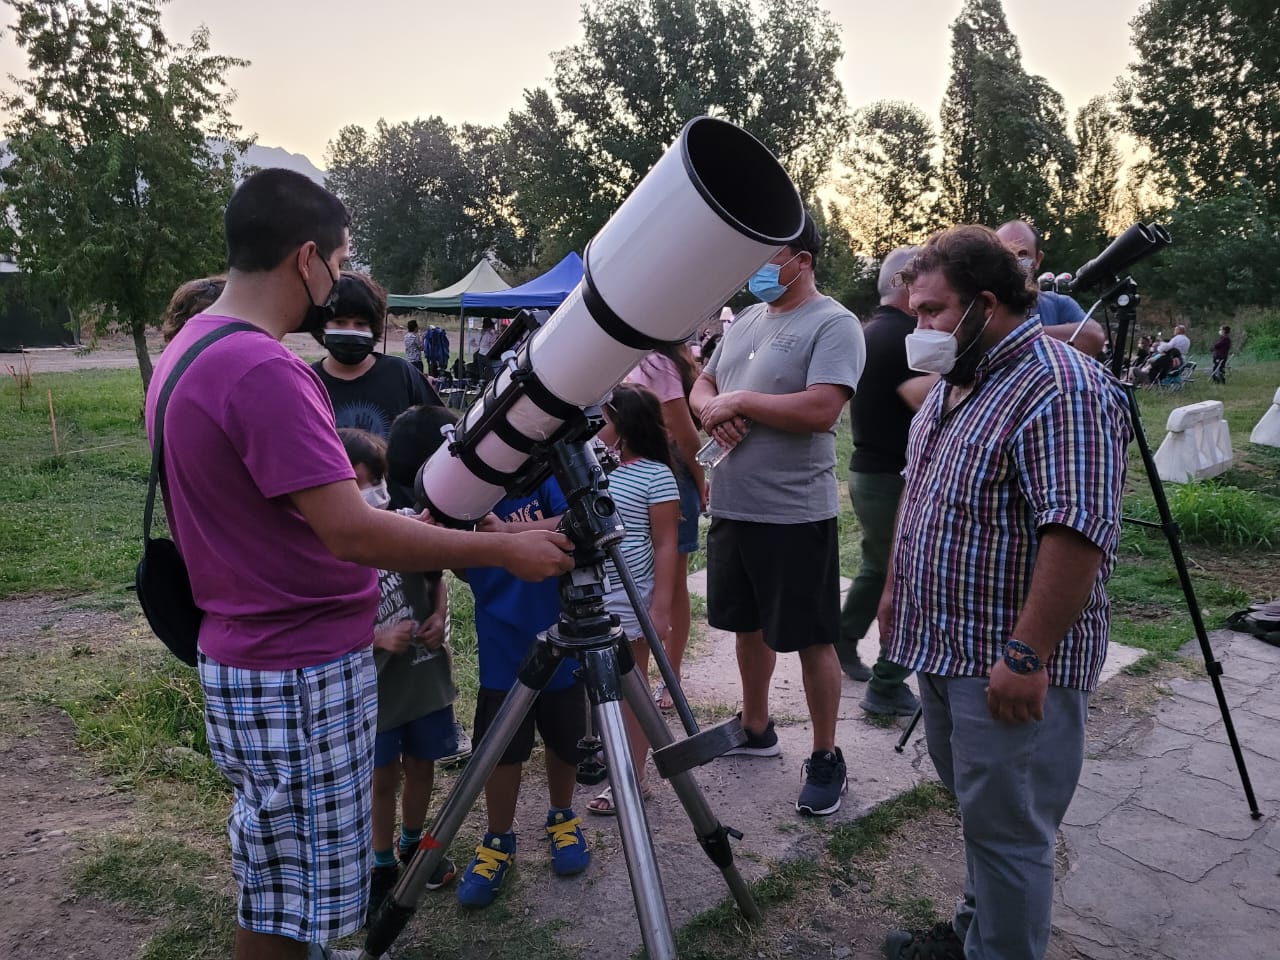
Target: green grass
[[72, 524], [160, 877]]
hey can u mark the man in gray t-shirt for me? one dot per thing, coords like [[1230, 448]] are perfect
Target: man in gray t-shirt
[[773, 393]]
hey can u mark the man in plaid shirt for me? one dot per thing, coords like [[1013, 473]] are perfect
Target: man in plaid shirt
[[1007, 533]]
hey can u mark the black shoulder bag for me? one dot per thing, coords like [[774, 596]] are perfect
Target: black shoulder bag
[[162, 582]]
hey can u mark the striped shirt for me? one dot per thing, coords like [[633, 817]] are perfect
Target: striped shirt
[[635, 486], [1040, 440]]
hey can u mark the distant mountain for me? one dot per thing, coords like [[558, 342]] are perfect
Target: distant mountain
[[257, 155], [260, 156]]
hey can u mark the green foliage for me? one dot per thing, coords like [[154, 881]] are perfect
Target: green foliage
[[841, 273], [422, 199], [892, 184], [1204, 94], [576, 151], [1006, 152], [1263, 339], [1093, 212], [1211, 512], [1221, 254], [123, 158], [868, 835]]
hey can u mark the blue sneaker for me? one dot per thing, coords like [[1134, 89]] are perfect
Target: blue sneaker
[[569, 853], [484, 875]]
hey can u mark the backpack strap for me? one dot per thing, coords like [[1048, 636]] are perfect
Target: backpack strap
[[157, 450]]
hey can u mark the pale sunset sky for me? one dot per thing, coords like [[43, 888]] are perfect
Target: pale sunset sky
[[317, 65]]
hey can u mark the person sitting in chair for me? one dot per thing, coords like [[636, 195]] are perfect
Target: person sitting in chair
[[1168, 355]]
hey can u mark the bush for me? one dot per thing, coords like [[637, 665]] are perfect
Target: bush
[[1262, 341], [1215, 513]]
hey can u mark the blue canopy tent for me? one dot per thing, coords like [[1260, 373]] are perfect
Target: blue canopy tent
[[547, 291]]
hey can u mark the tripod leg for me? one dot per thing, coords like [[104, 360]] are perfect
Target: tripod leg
[[403, 900], [601, 666], [713, 836], [906, 734], [1211, 664]]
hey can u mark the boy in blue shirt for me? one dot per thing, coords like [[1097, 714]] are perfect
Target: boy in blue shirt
[[509, 615]]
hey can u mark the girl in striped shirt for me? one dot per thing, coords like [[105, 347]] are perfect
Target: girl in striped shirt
[[648, 501]]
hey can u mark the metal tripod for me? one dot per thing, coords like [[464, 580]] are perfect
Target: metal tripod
[[1124, 298], [587, 632]]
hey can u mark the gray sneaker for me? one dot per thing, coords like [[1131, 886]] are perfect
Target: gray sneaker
[[901, 702], [464, 748]]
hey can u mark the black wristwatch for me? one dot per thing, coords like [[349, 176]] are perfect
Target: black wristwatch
[[1020, 658]]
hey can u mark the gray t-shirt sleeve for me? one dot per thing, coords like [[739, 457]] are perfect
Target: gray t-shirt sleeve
[[839, 353]]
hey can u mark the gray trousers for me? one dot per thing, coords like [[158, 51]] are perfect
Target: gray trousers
[[1014, 784]]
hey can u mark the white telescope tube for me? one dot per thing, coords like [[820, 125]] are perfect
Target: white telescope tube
[[714, 208]]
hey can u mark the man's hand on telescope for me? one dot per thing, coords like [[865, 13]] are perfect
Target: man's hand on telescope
[[536, 554]]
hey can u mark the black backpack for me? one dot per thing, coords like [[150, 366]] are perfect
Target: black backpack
[[162, 581], [1261, 619]]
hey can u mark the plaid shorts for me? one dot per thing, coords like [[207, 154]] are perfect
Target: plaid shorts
[[297, 746]]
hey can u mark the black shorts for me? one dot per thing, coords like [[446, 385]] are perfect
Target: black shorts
[[561, 717], [782, 578]]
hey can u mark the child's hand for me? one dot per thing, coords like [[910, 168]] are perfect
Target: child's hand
[[661, 618], [431, 633], [394, 637], [490, 523]]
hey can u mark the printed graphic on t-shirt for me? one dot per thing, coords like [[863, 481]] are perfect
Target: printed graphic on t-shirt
[[393, 607], [363, 416]]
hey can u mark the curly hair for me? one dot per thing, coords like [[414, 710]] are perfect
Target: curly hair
[[191, 298], [973, 259]]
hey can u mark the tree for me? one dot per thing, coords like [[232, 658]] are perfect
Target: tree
[[1006, 152], [1222, 255], [892, 183], [1093, 214], [1204, 94], [123, 158], [423, 212], [642, 70]]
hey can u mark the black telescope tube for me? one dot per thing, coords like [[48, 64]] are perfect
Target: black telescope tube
[[1125, 250]]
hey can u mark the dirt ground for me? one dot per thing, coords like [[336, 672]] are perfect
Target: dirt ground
[[52, 805]]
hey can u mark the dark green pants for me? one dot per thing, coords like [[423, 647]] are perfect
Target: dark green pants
[[875, 502]]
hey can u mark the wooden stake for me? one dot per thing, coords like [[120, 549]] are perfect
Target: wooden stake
[[53, 423]]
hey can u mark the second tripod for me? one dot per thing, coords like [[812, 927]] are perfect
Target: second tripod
[[586, 632]]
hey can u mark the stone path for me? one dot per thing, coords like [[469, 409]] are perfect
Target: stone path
[[1165, 861]]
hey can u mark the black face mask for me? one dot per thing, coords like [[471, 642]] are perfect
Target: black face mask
[[318, 315], [348, 347]]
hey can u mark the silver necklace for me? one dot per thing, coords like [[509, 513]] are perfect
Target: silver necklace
[[755, 330]]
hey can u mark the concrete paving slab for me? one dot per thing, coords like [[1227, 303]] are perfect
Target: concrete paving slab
[[1193, 801], [1179, 871]]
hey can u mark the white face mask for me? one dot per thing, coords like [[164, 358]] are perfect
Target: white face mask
[[936, 351], [377, 495], [931, 351]]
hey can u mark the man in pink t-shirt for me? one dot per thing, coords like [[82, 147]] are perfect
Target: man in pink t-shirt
[[281, 548]]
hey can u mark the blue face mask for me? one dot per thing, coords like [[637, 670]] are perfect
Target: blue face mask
[[764, 285]]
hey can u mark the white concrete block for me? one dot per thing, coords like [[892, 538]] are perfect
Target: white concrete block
[[1198, 444], [1267, 432]]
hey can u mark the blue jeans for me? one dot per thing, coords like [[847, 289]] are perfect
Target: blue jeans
[[1014, 784]]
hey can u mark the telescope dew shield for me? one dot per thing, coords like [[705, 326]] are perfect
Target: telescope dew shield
[[715, 207], [1139, 241]]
